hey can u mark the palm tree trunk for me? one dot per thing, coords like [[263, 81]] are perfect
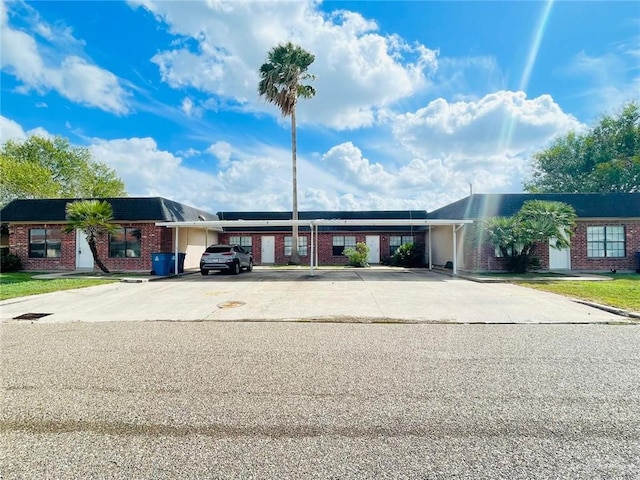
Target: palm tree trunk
[[295, 258], [94, 251]]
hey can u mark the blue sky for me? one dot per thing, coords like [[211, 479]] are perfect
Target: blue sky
[[415, 100]]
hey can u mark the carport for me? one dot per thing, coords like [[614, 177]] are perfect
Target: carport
[[313, 226]]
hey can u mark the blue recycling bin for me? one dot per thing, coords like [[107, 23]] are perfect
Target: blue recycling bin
[[638, 261], [161, 263], [172, 266]]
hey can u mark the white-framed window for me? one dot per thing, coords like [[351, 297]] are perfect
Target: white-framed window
[[45, 242], [125, 243], [243, 240], [340, 242], [511, 250], [396, 241], [606, 241], [302, 246]]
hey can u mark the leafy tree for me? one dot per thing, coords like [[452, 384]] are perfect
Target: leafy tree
[[281, 78], [536, 223], [51, 168], [94, 218], [408, 255], [605, 159]]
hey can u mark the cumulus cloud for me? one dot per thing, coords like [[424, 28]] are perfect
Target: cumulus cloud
[[39, 58], [220, 46], [11, 130]]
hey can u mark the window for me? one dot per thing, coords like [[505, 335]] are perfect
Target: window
[[125, 243], [511, 250], [45, 242], [302, 246], [340, 242], [396, 241], [606, 242], [242, 240]]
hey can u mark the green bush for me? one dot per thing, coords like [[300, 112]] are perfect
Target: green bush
[[409, 255], [358, 256], [9, 262]]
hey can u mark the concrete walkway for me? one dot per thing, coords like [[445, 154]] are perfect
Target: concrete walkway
[[331, 295]]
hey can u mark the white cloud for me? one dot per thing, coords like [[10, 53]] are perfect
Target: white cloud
[[48, 65], [11, 130], [222, 151], [359, 70]]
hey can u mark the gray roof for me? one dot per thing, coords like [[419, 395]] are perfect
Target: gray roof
[[129, 209], [586, 205]]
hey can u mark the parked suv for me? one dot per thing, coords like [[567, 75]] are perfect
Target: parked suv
[[232, 258]]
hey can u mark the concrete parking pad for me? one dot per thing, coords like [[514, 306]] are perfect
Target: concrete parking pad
[[340, 295]]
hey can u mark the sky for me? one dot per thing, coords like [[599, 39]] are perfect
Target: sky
[[417, 103]]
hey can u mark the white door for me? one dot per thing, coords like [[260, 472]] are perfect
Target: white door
[[84, 258], [559, 259], [373, 242], [268, 251]]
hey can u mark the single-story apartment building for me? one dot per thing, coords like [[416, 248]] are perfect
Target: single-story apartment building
[[606, 236], [272, 244], [36, 234]]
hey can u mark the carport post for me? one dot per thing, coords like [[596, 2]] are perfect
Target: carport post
[[175, 254], [430, 262], [312, 250]]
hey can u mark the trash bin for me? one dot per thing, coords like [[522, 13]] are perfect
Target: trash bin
[[172, 265], [638, 262], [161, 263]]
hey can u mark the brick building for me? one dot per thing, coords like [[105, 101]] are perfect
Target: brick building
[[606, 236], [272, 245], [36, 234]]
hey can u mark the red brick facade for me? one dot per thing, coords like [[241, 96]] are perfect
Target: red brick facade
[[482, 257], [324, 246], [154, 239]]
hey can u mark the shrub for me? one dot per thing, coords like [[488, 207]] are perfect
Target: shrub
[[358, 256], [409, 255], [9, 262]]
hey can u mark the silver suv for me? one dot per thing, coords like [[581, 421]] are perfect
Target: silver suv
[[232, 258]]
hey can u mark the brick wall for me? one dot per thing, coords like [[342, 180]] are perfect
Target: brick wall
[[154, 239], [324, 247], [482, 257]]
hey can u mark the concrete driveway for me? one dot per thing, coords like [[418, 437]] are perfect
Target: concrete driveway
[[340, 295]]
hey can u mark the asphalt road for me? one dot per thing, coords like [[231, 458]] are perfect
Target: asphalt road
[[290, 400]]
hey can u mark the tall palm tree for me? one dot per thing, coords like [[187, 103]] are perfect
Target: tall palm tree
[[94, 218], [281, 78]]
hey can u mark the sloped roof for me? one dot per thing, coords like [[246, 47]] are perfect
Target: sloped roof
[[586, 205], [328, 215], [129, 209]]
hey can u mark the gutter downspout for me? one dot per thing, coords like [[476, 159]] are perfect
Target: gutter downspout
[[430, 261], [311, 257]]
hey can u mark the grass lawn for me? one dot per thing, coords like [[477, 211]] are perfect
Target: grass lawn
[[22, 284], [622, 292]]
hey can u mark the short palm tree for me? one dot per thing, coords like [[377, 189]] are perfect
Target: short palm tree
[[280, 83], [95, 219]]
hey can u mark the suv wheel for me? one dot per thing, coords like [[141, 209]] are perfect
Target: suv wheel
[[236, 268], [204, 271], [250, 267]]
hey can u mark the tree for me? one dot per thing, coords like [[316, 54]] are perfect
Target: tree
[[51, 168], [605, 159], [94, 218], [537, 222], [281, 76]]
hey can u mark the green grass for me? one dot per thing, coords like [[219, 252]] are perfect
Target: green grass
[[22, 284], [622, 292]]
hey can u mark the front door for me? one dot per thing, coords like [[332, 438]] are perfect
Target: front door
[[559, 259], [373, 242], [267, 253], [84, 258]]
